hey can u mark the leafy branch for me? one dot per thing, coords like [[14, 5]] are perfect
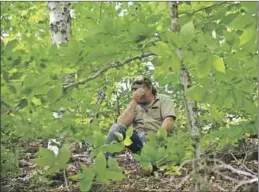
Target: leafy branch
[[112, 65]]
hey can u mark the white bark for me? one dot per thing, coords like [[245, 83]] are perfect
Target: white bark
[[60, 28], [60, 22]]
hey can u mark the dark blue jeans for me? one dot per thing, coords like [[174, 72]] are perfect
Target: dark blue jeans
[[137, 139]]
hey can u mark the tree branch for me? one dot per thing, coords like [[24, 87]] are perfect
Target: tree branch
[[226, 177], [225, 166], [242, 164], [112, 65], [202, 9], [245, 182]]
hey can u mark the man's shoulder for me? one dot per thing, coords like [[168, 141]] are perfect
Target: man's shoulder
[[163, 96]]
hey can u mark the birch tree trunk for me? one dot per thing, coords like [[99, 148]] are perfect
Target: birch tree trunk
[[60, 29], [60, 22], [190, 105]]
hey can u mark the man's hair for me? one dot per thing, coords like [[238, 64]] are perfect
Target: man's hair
[[146, 82]]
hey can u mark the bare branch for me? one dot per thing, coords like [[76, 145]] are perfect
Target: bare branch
[[65, 178], [112, 65], [242, 164], [184, 180], [245, 182], [202, 9], [225, 166], [226, 177], [219, 187]]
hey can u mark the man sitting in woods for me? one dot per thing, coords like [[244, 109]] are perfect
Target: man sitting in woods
[[147, 111]]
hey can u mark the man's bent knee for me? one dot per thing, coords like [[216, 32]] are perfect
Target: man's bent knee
[[115, 128], [112, 136]]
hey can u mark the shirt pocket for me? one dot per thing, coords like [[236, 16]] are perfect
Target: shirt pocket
[[154, 113]]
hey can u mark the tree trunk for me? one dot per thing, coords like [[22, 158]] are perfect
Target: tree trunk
[[60, 29], [190, 105], [60, 22]]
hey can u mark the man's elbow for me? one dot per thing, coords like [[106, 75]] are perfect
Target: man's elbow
[[169, 121], [119, 120], [122, 121]]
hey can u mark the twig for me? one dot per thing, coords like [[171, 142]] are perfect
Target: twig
[[226, 177], [202, 9], [79, 155], [118, 104], [225, 166], [184, 180], [243, 165], [219, 187], [245, 182], [112, 65], [243, 161], [65, 178]]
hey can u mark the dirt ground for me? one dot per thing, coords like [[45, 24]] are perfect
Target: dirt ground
[[236, 169]]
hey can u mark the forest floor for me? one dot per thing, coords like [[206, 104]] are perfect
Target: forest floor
[[236, 168]]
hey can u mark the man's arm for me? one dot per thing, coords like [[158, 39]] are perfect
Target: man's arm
[[168, 114], [128, 115], [168, 125]]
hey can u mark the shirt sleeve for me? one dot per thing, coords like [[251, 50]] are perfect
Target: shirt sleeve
[[167, 108]]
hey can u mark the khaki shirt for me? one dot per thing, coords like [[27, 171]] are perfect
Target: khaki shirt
[[150, 118]]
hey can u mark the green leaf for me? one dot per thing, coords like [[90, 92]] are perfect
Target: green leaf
[[119, 136], [115, 175], [42, 80], [196, 93], [210, 42], [54, 93], [218, 64], [69, 70], [204, 68], [242, 21], [63, 155], [86, 179], [46, 157], [172, 62], [11, 45], [161, 49], [247, 35], [250, 7], [127, 141], [98, 139], [36, 101], [113, 165], [100, 164], [188, 30], [250, 107], [29, 80], [161, 133], [115, 147], [129, 132], [41, 90]]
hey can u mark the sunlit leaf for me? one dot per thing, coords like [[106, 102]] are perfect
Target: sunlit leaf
[[188, 29], [217, 64]]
